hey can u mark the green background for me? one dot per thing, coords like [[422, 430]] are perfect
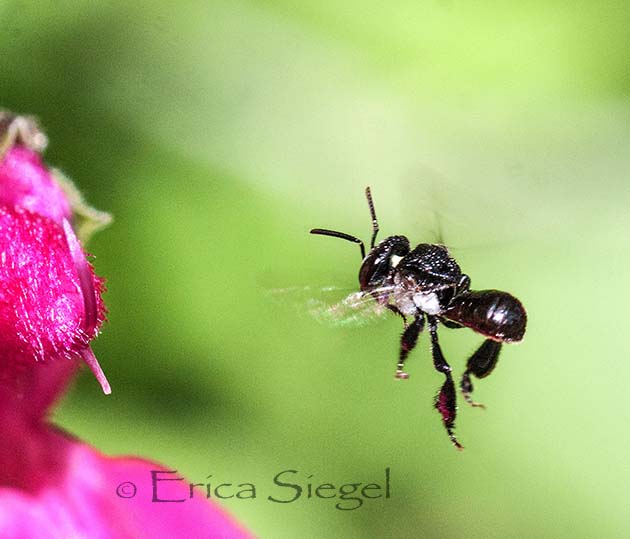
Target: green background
[[218, 133]]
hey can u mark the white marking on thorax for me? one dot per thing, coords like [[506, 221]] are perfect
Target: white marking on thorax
[[394, 260], [429, 303], [406, 305]]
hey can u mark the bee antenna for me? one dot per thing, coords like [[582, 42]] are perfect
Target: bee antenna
[[342, 235], [368, 195], [440, 232]]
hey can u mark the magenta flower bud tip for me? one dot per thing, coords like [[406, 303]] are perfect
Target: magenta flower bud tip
[[24, 182]]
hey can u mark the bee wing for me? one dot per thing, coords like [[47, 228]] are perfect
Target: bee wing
[[334, 306]]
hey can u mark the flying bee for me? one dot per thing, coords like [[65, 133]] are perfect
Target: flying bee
[[426, 284]]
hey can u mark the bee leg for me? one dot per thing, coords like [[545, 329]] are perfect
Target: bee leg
[[408, 342], [481, 364], [446, 400], [397, 311]]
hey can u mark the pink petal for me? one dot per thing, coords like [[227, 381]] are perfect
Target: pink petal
[[83, 502]]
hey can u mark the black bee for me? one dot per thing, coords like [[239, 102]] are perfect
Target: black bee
[[427, 284]]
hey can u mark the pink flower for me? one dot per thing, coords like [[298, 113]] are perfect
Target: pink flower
[[51, 485]]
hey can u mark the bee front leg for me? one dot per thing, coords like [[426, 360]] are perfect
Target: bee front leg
[[408, 341], [481, 364], [446, 400]]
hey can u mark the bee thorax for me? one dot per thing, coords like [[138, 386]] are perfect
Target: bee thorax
[[409, 302]]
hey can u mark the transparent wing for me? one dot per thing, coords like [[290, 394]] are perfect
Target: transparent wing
[[333, 305]]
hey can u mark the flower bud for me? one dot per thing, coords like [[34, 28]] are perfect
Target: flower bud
[[50, 299]]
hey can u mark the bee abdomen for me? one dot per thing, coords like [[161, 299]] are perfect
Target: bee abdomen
[[495, 314]]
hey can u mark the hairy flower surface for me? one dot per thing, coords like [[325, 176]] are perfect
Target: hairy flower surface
[[51, 485], [42, 314], [24, 182]]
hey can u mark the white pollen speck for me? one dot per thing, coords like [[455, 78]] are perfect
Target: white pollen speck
[[428, 303], [394, 260]]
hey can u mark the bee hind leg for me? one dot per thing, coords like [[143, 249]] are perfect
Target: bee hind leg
[[480, 364]]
